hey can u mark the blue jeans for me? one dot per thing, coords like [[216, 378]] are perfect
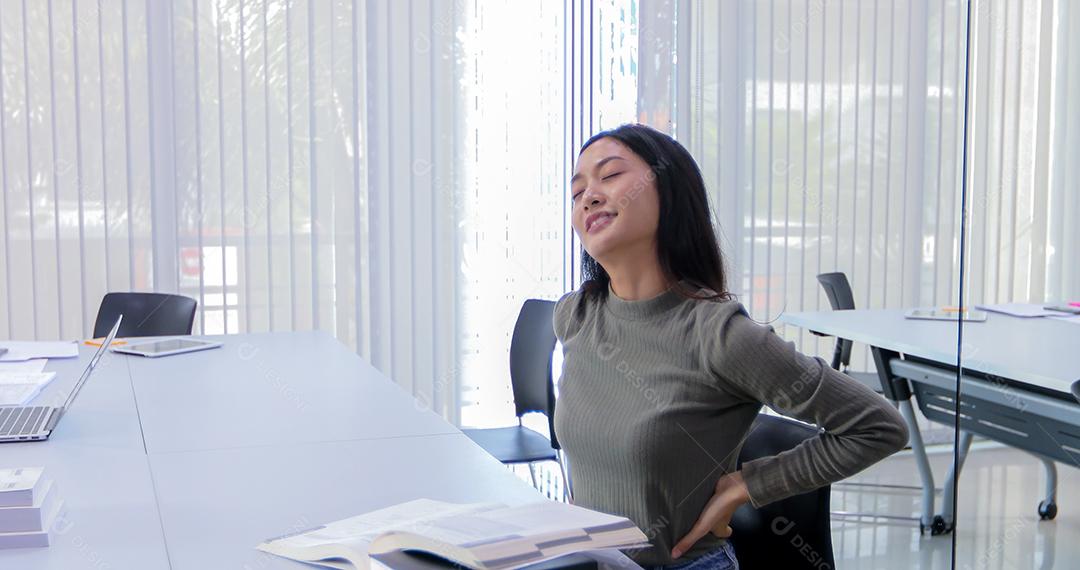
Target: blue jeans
[[722, 558]]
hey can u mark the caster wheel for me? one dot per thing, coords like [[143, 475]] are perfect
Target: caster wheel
[[939, 526], [1047, 511]]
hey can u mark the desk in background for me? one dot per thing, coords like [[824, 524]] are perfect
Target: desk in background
[[1016, 388]]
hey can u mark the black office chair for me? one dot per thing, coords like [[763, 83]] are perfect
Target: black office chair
[[531, 381], [790, 533], [145, 314], [838, 290]]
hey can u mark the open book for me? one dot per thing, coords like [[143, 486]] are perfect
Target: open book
[[483, 535]]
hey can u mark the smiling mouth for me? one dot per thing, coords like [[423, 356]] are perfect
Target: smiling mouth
[[599, 222]]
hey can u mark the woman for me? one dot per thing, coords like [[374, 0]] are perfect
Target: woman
[[663, 372]]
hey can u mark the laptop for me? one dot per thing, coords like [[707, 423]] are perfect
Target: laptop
[[35, 423]]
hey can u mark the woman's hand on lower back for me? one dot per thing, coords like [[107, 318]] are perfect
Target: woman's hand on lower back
[[730, 494]]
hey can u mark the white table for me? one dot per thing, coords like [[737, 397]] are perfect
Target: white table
[[269, 389], [1018, 373], [190, 461], [217, 505]]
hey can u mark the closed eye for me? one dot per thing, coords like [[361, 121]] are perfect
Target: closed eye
[[610, 176]]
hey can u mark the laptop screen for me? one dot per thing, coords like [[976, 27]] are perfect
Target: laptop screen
[[93, 364]]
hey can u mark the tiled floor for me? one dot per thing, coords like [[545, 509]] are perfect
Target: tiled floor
[[998, 527]]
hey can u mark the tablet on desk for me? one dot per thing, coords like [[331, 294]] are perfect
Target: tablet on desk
[[938, 314], [167, 347]]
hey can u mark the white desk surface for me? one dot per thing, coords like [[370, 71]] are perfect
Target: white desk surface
[[104, 413], [110, 518], [269, 389], [217, 505], [1042, 352], [272, 433]]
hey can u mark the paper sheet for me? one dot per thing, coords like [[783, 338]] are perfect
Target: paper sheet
[[1074, 319], [24, 367], [26, 350], [17, 389], [1026, 310]]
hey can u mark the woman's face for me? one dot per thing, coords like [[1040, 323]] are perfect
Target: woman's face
[[616, 206]]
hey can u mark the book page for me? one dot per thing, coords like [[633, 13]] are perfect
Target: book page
[[488, 526], [517, 536], [356, 533], [414, 516], [544, 517]]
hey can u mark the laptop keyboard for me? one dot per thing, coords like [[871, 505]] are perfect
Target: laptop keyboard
[[16, 421]]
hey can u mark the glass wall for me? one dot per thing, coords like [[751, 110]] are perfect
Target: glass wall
[[1018, 487], [831, 137]]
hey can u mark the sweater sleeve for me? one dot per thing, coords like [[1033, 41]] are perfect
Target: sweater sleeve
[[565, 314], [859, 427]]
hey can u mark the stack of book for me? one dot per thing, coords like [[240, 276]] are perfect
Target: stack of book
[[29, 505]]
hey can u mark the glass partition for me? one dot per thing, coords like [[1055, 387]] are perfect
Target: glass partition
[[1019, 413], [831, 136]]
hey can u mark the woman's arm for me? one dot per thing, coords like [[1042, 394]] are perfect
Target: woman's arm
[[750, 361], [860, 426]]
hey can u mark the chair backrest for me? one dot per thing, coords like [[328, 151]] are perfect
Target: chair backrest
[[145, 314], [838, 290], [790, 533], [1076, 390], [530, 361]]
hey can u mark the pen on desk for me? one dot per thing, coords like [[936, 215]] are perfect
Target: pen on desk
[[954, 309], [98, 341], [1074, 303]]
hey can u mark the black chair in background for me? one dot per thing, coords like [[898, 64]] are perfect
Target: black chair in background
[[145, 314], [531, 382], [838, 290], [790, 533]]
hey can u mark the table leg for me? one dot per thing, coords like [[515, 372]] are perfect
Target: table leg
[[899, 390], [922, 462], [1048, 506], [953, 476]]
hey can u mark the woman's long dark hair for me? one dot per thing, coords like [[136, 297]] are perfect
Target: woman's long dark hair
[[687, 247]]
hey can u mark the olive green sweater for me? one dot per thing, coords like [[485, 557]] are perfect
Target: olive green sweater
[[657, 396]]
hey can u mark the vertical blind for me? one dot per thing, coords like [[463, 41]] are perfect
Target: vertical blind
[[1024, 172], [512, 161], [74, 160], [532, 95], [308, 142], [831, 135], [394, 173]]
